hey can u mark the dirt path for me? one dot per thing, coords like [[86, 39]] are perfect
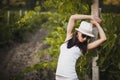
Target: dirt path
[[21, 55]]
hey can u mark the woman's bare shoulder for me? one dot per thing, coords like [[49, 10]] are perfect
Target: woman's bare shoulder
[[68, 37]]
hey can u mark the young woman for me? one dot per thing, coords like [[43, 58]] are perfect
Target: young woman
[[77, 44]]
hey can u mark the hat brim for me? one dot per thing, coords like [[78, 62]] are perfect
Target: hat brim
[[88, 34]]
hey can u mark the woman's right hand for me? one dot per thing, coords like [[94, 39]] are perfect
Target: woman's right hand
[[94, 22], [97, 19]]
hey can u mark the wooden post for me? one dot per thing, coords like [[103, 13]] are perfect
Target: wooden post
[[95, 68], [20, 13], [8, 17]]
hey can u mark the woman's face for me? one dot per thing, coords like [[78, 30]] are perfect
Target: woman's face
[[81, 38]]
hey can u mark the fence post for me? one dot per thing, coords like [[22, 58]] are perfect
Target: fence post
[[8, 17], [95, 68], [20, 13], [25, 12]]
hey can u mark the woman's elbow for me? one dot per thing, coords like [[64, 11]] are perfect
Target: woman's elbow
[[72, 17], [104, 39]]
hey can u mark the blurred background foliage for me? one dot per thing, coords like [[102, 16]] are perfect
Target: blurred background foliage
[[54, 15]]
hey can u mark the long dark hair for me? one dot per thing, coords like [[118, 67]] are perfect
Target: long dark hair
[[75, 42]]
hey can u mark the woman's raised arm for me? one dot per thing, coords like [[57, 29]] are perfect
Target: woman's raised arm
[[71, 23], [101, 34]]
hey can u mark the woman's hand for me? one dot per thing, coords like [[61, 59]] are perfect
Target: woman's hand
[[97, 19], [95, 23]]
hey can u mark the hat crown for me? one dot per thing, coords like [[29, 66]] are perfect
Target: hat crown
[[86, 26]]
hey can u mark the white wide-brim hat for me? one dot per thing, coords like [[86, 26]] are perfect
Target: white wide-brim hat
[[85, 28]]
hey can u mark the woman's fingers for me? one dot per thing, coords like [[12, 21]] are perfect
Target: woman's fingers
[[96, 19], [94, 22]]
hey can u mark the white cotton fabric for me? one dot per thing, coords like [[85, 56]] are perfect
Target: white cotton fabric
[[67, 60], [64, 78]]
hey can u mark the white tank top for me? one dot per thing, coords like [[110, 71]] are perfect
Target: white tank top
[[67, 60]]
